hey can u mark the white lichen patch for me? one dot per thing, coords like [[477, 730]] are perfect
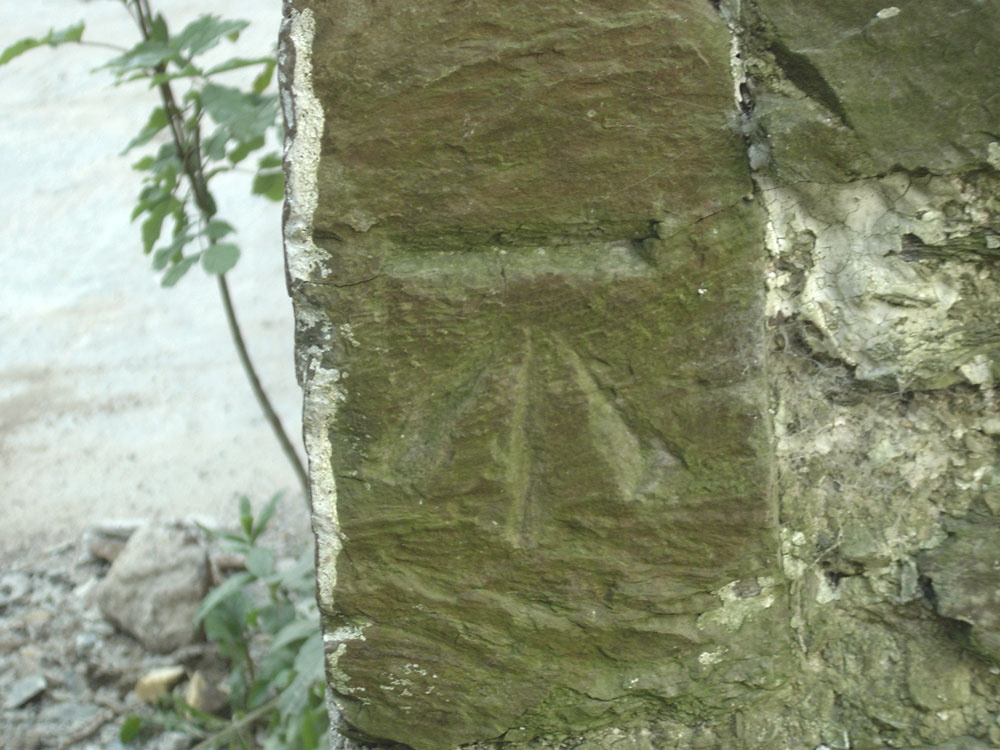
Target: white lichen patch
[[993, 154], [891, 12], [322, 385], [739, 603], [793, 551], [879, 306], [708, 658], [825, 591]]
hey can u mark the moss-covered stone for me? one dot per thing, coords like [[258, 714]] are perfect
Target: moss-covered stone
[[549, 460], [534, 271], [455, 125], [566, 493], [910, 86], [965, 574]]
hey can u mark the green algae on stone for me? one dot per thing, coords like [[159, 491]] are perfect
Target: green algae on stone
[[912, 86], [533, 506], [540, 279], [965, 574], [547, 119]]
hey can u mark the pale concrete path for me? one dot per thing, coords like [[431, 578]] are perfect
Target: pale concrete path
[[119, 399]]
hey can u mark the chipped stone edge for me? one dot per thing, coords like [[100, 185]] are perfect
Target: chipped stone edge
[[321, 384], [304, 120]]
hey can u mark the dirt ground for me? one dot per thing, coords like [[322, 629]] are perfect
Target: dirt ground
[[119, 399]]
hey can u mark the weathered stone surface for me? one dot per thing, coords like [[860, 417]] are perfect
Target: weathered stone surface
[[872, 131], [871, 87], [889, 271], [530, 291], [542, 450], [965, 573], [153, 589], [457, 125]]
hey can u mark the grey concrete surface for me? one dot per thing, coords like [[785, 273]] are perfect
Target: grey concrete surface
[[119, 399]]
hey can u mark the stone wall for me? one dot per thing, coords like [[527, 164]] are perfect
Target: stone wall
[[648, 352]]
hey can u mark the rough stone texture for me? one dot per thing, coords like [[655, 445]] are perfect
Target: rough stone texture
[[564, 496], [863, 87], [872, 131], [965, 574], [154, 588], [550, 458]]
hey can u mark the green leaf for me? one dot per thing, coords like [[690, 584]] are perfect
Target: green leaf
[[245, 116], [309, 661], [173, 253], [264, 517], [151, 195], [277, 615], [300, 578], [144, 55], [236, 63], [298, 630], [217, 228], [176, 271], [223, 591], [205, 32], [153, 225], [260, 562], [54, 38], [167, 155], [263, 80], [188, 71], [293, 698], [18, 48], [313, 729], [143, 164], [130, 729], [269, 184], [162, 257], [257, 695], [270, 161], [309, 668], [225, 625], [214, 147], [225, 535], [181, 223], [246, 516], [243, 149], [220, 258], [157, 122], [158, 31], [72, 33]]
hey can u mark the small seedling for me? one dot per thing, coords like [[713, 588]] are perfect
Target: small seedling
[[265, 623]]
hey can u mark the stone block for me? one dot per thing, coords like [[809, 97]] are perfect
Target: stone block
[[527, 279], [880, 87]]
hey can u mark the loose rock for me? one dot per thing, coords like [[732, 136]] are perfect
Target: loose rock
[[154, 587], [25, 690], [154, 685]]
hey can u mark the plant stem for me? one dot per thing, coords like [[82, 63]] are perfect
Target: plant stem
[[189, 152], [244, 723], [258, 391]]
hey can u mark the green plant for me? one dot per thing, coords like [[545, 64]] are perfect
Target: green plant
[[264, 621], [176, 189]]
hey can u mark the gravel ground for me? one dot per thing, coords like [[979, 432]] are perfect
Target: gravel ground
[[68, 677], [119, 399]]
